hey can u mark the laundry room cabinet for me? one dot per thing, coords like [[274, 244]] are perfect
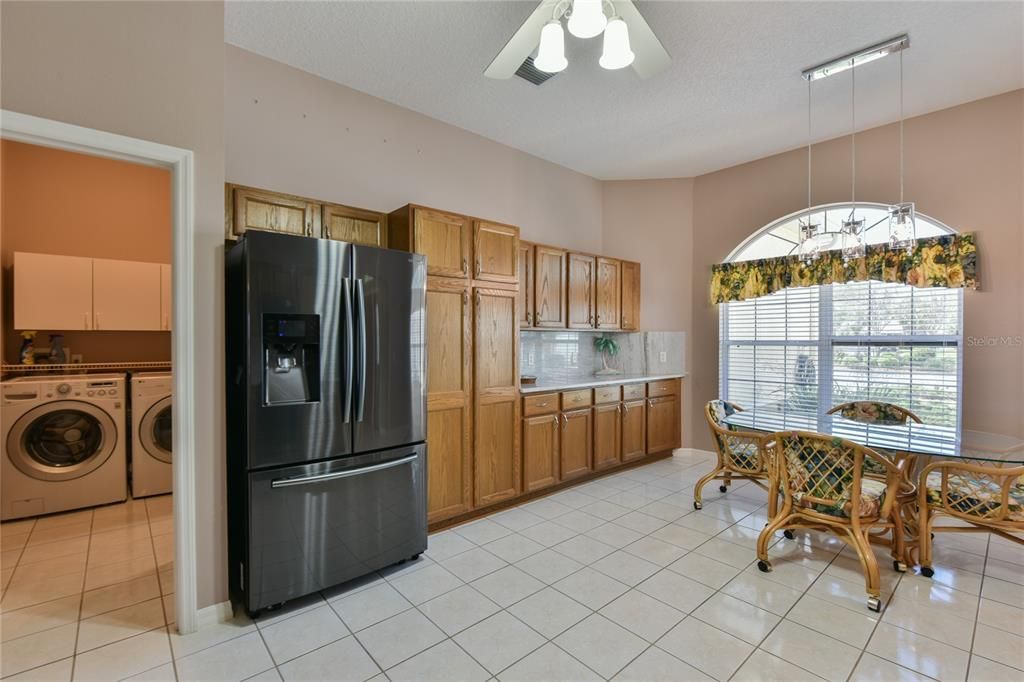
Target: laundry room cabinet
[[125, 295]]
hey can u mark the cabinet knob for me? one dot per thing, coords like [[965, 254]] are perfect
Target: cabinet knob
[[465, 265], [556, 420], [465, 297], [529, 318], [327, 233], [479, 268]]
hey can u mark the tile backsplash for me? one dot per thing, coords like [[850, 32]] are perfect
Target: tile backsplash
[[569, 354]]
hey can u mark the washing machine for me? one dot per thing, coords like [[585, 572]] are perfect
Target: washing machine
[[64, 444], [151, 453]]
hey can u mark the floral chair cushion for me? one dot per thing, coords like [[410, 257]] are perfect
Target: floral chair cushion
[[871, 412], [742, 455], [816, 470], [976, 494], [720, 409]]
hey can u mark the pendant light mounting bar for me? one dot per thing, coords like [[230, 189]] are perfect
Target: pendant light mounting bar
[[858, 58]]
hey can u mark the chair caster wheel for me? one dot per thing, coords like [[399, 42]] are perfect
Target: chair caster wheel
[[899, 566], [788, 534], [723, 488], [927, 571], [875, 604], [764, 566], [698, 506]]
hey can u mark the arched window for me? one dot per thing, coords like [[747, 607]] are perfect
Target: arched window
[[801, 351]]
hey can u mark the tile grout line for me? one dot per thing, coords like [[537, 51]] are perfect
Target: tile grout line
[[160, 589], [977, 612], [81, 596]]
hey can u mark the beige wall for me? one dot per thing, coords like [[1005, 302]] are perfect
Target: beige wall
[[294, 132], [963, 167], [152, 71]]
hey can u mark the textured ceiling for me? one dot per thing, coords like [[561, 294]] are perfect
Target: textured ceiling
[[732, 94]]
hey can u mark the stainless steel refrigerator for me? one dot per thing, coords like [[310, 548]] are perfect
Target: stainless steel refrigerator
[[326, 413]]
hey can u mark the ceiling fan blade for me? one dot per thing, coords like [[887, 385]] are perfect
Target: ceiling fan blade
[[522, 44], [651, 57]]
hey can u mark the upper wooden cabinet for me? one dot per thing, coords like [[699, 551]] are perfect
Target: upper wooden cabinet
[[525, 284], [630, 316], [444, 238], [580, 291], [608, 292], [549, 286], [52, 292], [495, 252], [256, 209], [354, 225]]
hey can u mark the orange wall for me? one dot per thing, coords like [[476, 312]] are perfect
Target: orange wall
[[71, 204]]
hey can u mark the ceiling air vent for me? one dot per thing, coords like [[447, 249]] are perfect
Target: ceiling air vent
[[528, 72]]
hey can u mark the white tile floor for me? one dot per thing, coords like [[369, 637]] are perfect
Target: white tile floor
[[614, 579]]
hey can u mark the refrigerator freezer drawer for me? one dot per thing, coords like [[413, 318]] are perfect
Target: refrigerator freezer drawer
[[318, 525]]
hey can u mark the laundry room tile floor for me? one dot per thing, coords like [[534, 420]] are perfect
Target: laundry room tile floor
[[615, 579]]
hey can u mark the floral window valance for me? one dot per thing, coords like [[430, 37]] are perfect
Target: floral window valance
[[946, 261]]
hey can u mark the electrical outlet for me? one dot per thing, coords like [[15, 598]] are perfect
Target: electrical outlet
[[662, 357]]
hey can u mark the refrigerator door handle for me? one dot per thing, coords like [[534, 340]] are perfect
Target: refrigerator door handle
[[361, 350], [304, 480], [349, 361]]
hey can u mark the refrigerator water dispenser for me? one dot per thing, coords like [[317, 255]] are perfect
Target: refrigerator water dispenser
[[291, 359]]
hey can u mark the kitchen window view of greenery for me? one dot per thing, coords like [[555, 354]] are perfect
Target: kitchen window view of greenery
[[804, 350]]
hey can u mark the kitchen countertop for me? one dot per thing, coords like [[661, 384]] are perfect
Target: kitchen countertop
[[568, 385]]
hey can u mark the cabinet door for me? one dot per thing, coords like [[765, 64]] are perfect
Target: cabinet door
[[449, 399], [634, 429], [662, 424], [52, 292], [608, 293], [166, 292], [581, 291], [549, 276], [444, 239], [540, 452], [607, 436], [496, 396], [630, 317], [354, 225], [576, 445], [125, 295], [525, 284], [259, 210], [496, 252]]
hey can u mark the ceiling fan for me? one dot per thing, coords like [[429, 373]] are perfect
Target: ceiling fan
[[628, 40]]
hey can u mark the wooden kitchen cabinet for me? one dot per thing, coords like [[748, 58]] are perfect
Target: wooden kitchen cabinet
[[540, 451], [576, 444], [444, 238], [525, 284], [166, 297], [449, 398], [256, 209], [52, 292], [580, 291], [495, 252], [630, 316], [608, 292], [496, 397], [662, 424], [634, 429], [607, 436], [354, 225], [549, 284], [126, 295]]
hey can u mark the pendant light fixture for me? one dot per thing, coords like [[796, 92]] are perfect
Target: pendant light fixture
[[902, 221], [809, 249], [587, 19], [616, 52], [551, 53], [852, 229]]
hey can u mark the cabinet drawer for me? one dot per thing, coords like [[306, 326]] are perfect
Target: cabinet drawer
[[633, 391], [607, 394], [573, 399], [665, 387], [546, 403]]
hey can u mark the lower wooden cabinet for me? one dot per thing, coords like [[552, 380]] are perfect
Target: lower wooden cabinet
[[576, 445], [634, 429], [662, 424], [540, 451], [607, 436], [449, 465]]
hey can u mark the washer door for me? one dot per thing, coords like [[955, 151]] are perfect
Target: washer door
[[61, 440], [155, 430]]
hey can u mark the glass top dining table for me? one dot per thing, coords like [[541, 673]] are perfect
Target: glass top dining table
[[914, 439]]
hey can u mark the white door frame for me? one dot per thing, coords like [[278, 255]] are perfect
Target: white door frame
[[57, 135]]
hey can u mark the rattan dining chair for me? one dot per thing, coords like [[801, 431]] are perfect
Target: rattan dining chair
[[742, 455], [874, 412], [824, 489], [988, 497]]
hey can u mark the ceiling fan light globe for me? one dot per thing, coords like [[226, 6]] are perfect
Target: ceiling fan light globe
[[616, 52], [551, 53], [587, 19]]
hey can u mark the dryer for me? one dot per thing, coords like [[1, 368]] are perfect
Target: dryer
[[64, 444], [151, 453]]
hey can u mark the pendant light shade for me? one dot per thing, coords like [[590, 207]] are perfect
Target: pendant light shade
[[587, 19], [616, 53], [551, 54]]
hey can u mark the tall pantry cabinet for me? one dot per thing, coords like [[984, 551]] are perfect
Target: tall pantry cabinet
[[473, 318]]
